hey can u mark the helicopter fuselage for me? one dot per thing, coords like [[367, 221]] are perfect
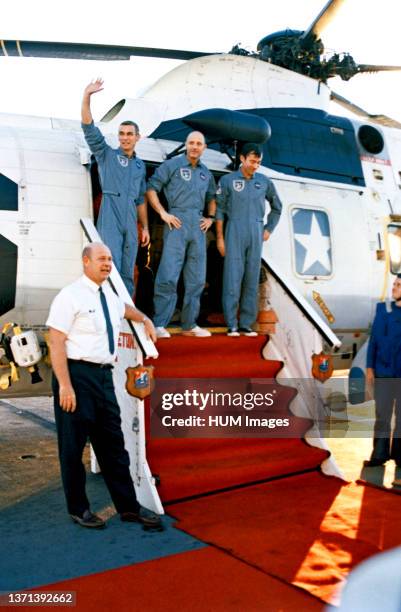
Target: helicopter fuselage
[[339, 180]]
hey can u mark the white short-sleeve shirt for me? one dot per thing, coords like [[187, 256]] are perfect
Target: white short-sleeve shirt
[[77, 312]]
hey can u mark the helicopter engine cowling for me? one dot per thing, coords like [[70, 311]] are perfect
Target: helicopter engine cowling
[[222, 124]]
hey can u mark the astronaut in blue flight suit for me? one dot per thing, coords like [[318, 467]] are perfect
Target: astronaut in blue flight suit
[[122, 176], [383, 373], [241, 199], [188, 185]]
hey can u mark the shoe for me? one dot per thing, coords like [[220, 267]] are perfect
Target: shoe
[[88, 519], [146, 517], [374, 462], [161, 332], [232, 332], [247, 331], [197, 331]]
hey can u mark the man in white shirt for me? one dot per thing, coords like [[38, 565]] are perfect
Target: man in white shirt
[[84, 322]]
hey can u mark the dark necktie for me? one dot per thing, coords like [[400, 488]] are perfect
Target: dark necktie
[[109, 326]]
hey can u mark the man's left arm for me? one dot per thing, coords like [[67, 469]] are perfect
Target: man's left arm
[[275, 210], [210, 199], [142, 212], [135, 315], [222, 196], [373, 345]]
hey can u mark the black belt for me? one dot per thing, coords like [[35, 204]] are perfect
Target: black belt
[[92, 364]]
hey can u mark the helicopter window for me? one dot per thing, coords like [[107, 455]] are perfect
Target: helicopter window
[[312, 242], [113, 112], [8, 274], [371, 139], [8, 194], [394, 244]]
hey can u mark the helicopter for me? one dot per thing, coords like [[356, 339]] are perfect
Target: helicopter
[[338, 178]]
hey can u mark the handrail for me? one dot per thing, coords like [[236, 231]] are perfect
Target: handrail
[[303, 305]]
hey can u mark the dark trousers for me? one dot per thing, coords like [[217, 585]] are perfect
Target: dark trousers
[[97, 419], [387, 443]]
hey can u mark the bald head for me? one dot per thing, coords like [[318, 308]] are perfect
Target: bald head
[[195, 145], [94, 247], [194, 136], [97, 262]]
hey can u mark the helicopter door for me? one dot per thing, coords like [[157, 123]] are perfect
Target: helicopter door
[[8, 250], [331, 258], [96, 188]]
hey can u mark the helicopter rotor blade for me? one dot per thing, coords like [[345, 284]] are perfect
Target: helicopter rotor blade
[[361, 112], [323, 19], [63, 50], [376, 68]]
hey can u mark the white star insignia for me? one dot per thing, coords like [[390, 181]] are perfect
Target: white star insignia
[[317, 247]]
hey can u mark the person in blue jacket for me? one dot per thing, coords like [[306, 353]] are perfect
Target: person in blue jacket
[[383, 373], [122, 176], [188, 186], [241, 199]]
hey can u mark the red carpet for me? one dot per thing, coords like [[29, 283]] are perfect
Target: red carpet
[[283, 545], [194, 467], [275, 547], [205, 579], [309, 530], [188, 467], [217, 357]]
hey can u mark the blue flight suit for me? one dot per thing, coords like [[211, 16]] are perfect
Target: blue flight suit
[[123, 186], [242, 201], [187, 189], [384, 356]]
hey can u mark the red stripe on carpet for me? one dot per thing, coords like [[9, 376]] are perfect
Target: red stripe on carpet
[[205, 579], [189, 467], [309, 530]]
